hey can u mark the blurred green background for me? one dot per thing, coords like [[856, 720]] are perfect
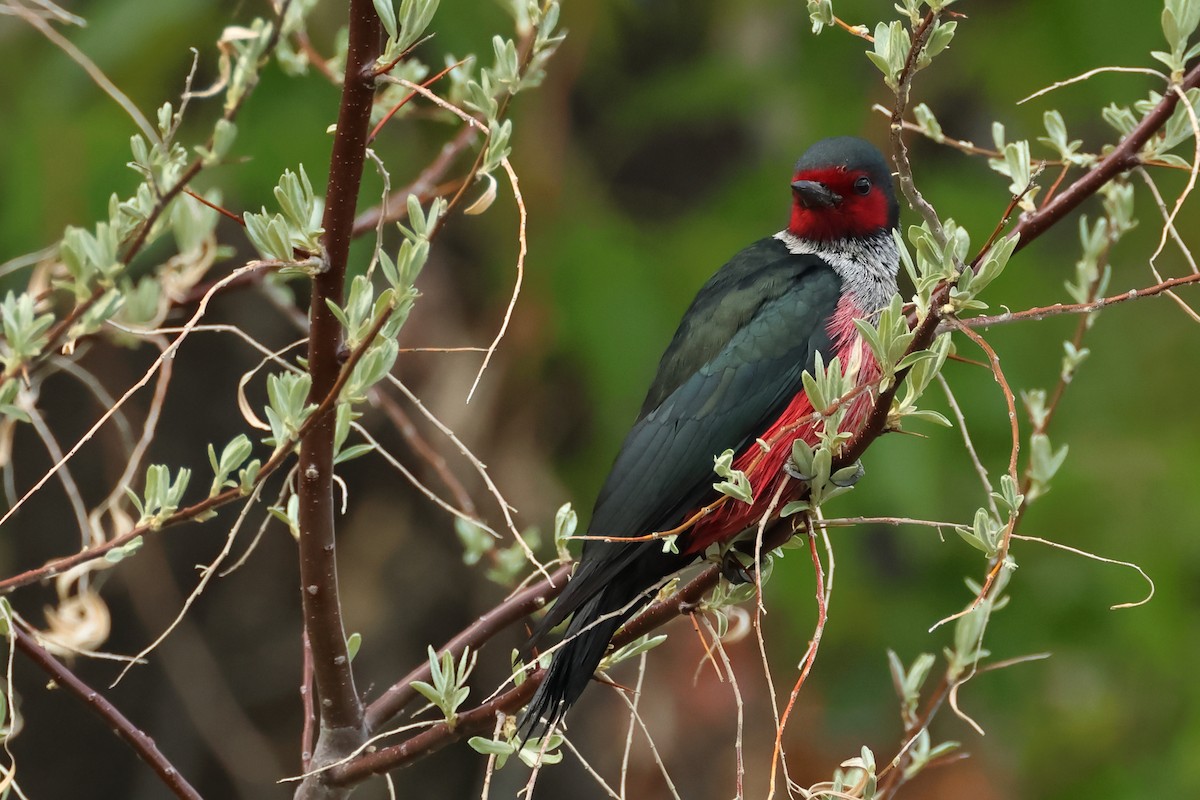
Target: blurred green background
[[660, 143]]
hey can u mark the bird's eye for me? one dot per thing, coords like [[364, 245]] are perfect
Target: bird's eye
[[863, 185]]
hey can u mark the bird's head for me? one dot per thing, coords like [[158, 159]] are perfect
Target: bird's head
[[842, 188]]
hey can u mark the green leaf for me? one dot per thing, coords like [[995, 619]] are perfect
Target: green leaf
[[632, 650], [565, 523], [353, 452], [118, 554], [475, 539], [387, 16], [938, 41], [491, 747], [735, 483], [1044, 461], [820, 13]]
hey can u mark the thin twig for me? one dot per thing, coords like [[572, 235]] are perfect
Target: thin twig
[[94, 72], [522, 249], [738, 744], [1089, 74], [206, 574], [136, 738], [1058, 546], [637, 699], [396, 207], [980, 470], [824, 590], [405, 427], [590, 770], [506, 508], [662, 768], [1045, 312], [515, 607], [158, 362]]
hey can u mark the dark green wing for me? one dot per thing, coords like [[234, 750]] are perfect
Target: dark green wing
[[731, 369], [733, 366]]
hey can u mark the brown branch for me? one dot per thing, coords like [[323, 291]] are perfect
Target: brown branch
[[1123, 158], [1001, 556], [900, 150], [513, 608], [810, 655], [854, 30], [1010, 401], [136, 738], [308, 734], [406, 428], [340, 708], [163, 200], [482, 718], [1044, 312], [423, 187]]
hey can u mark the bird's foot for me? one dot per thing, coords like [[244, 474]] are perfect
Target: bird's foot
[[793, 470], [845, 477], [848, 476], [735, 571]]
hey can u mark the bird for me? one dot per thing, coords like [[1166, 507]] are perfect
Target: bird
[[731, 379]]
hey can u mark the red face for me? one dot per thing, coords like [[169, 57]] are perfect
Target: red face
[[855, 207]]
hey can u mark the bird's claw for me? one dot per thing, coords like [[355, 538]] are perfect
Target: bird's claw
[[848, 476], [735, 571], [793, 471]]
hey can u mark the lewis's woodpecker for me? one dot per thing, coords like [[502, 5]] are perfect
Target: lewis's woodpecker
[[732, 376]]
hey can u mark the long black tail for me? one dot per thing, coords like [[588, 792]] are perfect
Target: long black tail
[[573, 664], [603, 594]]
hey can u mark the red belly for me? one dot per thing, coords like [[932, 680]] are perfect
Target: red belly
[[765, 468], [765, 471]]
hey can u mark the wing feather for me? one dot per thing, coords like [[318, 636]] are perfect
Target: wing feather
[[731, 369]]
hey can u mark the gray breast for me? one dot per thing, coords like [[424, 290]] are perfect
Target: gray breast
[[866, 265]]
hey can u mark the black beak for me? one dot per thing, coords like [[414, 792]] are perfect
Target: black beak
[[815, 195]]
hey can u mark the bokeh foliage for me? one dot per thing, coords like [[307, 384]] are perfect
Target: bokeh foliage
[[661, 144]]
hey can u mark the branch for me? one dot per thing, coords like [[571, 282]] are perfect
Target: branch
[[141, 743], [1123, 158], [513, 608], [904, 169], [340, 707], [1044, 312], [423, 187], [482, 717], [162, 200]]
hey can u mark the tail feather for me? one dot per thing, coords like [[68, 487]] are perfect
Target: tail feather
[[602, 595], [572, 667]]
